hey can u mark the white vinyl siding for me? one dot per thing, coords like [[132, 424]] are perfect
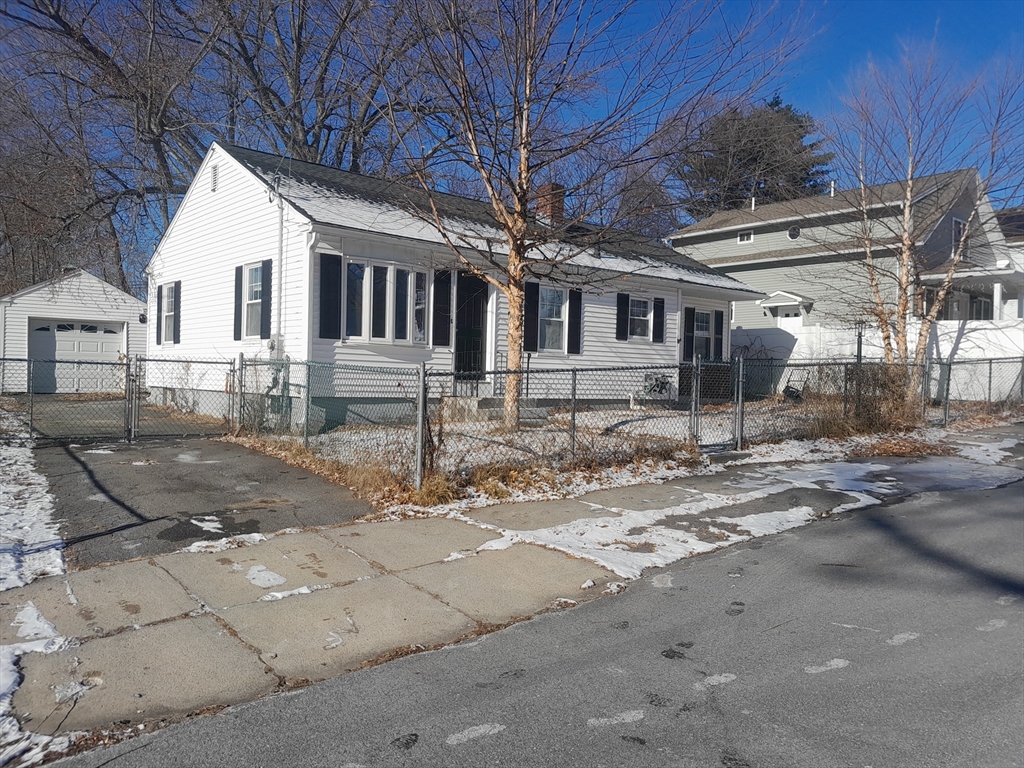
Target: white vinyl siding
[[213, 233]]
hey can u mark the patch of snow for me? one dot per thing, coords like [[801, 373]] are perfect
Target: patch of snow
[[632, 716], [207, 523], [261, 576], [992, 625], [767, 523], [828, 666], [231, 542], [304, 590], [38, 636], [98, 450], [30, 545], [588, 584], [902, 637], [458, 555], [476, 732], [986, 453], [713, 680]]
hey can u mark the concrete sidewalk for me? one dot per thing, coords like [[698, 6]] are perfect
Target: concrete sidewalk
[[167, 636], [161, 637]]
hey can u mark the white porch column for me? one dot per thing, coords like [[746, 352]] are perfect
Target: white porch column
[[997, 301]]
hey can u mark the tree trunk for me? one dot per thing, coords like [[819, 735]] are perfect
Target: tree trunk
[[515, 295]]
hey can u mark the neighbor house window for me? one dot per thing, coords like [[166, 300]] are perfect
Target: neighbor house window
[[354, 298], [65, 327], [551, 323], [794, 233], [401, 304], [253, 299], [639, 318], [959, 230], [170, 310], [745, 237]]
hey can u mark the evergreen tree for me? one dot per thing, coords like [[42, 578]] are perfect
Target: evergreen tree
[[756, 151]]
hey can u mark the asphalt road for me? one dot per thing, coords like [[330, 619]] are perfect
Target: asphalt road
[[118, 501], [891, 636]]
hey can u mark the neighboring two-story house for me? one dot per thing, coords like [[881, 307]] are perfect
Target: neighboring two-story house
[[276, 258], [808, 256]]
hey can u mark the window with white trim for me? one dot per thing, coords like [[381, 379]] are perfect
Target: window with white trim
[[253, 308], [419, 308], [385, 302], [170, 310], [551, 320], [354, 274], [639, 318], [702, 334], [746, 236]]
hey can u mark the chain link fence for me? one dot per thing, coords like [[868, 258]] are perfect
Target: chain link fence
[[412, 422], [61, 400]]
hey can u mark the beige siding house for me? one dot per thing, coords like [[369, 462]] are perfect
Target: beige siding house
[[279, 259]]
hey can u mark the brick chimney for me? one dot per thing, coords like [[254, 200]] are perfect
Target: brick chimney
[[551, 204]]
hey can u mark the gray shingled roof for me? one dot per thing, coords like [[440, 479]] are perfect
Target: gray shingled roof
[[1011, 222], [296, 179], [948, 187]]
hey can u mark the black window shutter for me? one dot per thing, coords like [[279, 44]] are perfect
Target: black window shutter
[[622, 316], [688, 318], [719, 333], [442, 317], [159, 314], [658, 336], [330, 297], [265, 303], [238, 303], [575, 346], [531, 317], [177, 312]]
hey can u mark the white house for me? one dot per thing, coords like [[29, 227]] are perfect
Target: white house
[[280, 259], [76, 325]]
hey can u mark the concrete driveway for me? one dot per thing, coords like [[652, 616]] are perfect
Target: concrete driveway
[[119, 501]]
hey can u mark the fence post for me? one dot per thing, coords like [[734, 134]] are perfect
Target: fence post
[[846, 390], [31, 398], [241, 391], [990, 380], [572, 416], [129, 392], [926, 388], [305, 408], [232, 388], [739, 404], [695, 407], [421, 418], [945, 405]]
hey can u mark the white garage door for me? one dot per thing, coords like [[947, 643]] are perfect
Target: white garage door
[[78, 351]]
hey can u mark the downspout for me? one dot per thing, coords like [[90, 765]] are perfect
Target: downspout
[[279, 347]]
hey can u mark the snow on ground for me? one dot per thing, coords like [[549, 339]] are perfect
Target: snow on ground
[[30, 545], [35, 635]]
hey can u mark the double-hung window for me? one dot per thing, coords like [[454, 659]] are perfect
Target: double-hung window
[[170, 311], [551, 321], [639, 318], [253, 299], [959, 232], [702, 334]]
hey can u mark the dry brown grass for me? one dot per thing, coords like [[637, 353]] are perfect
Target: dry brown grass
[[901, 445]]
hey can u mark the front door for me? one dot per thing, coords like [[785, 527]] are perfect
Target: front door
[[470, 324]]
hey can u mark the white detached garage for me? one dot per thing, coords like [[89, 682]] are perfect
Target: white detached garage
[[75, 323]]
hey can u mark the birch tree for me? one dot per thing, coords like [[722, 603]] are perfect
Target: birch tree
[[910, 123], [520, 95]]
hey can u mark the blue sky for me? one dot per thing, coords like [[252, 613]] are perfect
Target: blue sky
[[848, 31]]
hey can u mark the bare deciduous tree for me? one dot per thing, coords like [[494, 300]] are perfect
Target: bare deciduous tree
[[520, 94], [909, 125]]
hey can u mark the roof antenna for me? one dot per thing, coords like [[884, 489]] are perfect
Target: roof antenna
[[753, 202], [832, 189]]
